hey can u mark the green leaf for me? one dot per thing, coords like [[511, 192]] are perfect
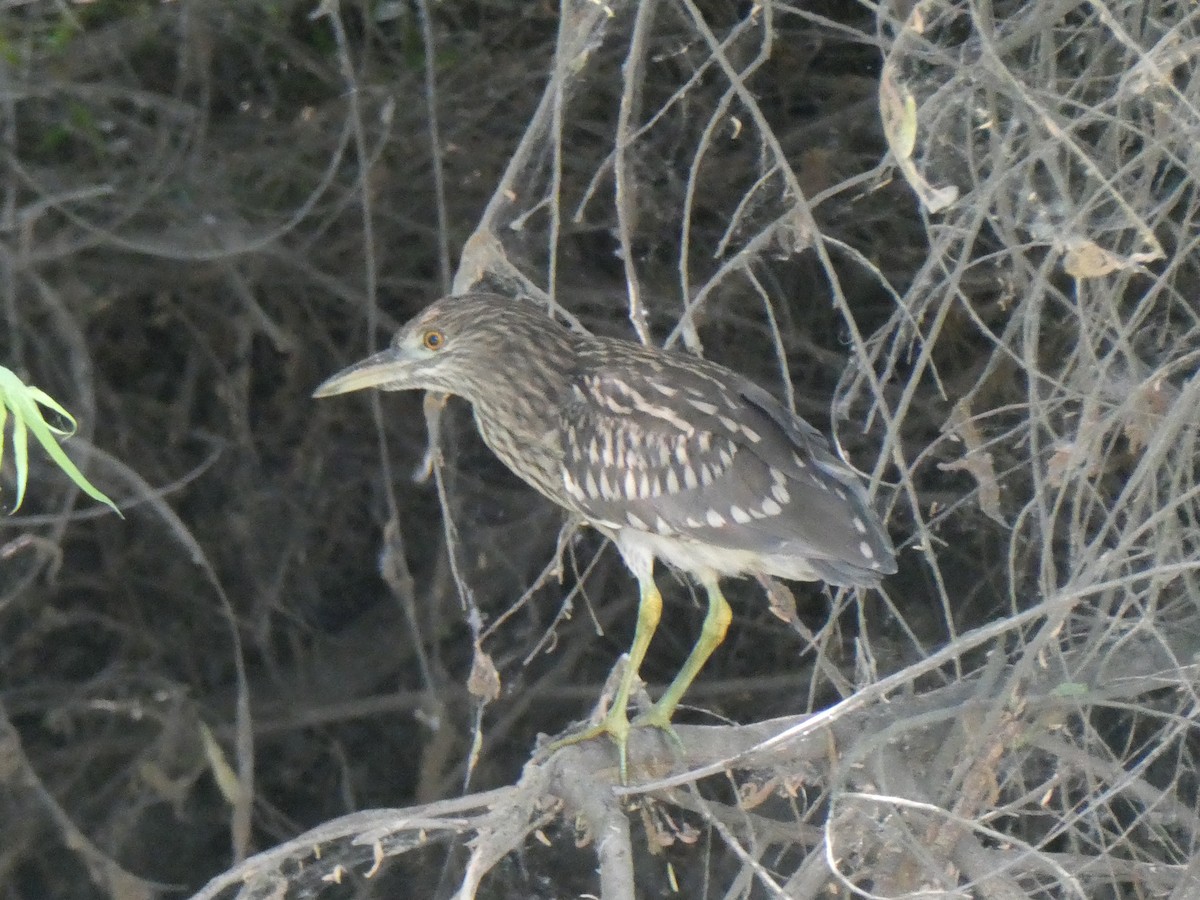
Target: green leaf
[[50, 403], [3, 420], [21, 452], [25, 402]]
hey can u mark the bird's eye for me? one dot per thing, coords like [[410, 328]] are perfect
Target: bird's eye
[[433, 339]]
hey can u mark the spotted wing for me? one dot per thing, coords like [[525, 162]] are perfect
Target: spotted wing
[[706, 456]]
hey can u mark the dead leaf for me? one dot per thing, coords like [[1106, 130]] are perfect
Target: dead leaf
[[484, 681], [1056, 468], [223, 773], [977, 462], [780, 598], [1154, 399], [1089, 260], [981, 467], [752, 794], [898, 112]]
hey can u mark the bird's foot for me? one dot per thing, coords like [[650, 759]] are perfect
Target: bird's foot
[[616, 726]]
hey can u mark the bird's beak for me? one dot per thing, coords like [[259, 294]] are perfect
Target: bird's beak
[[387, 370]]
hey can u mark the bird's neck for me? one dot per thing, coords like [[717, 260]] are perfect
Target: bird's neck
[[519, 401], [529, 443], [517, 409]]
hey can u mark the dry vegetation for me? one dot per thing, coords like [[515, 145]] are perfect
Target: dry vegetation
[[970, 224]]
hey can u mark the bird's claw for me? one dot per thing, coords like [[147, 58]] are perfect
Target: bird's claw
[[616, 726], [654, 718]]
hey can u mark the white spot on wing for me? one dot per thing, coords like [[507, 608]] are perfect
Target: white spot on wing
[[754, 436], [630, 484], [729, 423], [780, 493], [739, 515], [664, 453], [589, 485], [636, 522], [689, 478], [859, 525], [865, 549], [570, 484], [661, 526], [709, 409], [644, 406], [714, 518], [612, 405], [800, 464], [672, 482], [771, 508]]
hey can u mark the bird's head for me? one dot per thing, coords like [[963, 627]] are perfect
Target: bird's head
[[466, 345]]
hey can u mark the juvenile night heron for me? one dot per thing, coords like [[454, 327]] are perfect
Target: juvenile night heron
[[671, 456]]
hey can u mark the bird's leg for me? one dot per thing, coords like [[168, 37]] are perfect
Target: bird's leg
[[716, 623], [616, 722]]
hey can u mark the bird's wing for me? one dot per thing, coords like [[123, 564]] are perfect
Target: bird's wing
[[708, 456]]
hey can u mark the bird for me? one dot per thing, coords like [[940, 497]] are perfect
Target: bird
[[671, 456]]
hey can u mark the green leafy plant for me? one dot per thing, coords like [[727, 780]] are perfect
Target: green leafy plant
[[24, 402]]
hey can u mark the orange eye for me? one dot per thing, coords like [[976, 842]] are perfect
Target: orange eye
[[433, 339]]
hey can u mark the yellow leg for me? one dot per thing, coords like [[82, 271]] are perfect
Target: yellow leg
[[716, 623], [616, 722]]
